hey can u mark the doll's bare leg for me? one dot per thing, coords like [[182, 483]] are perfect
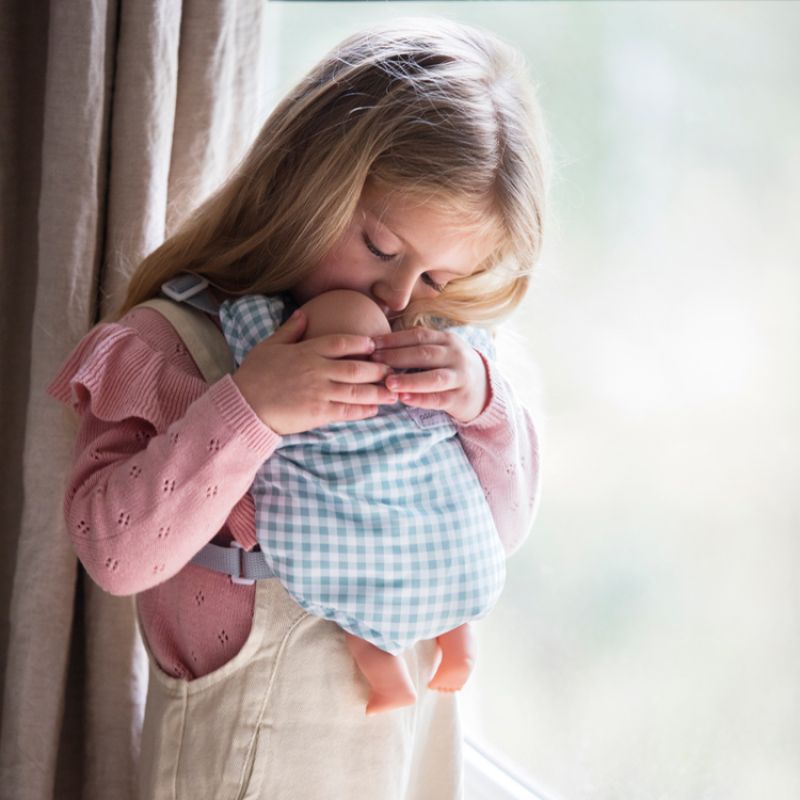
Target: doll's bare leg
[[386, 674], [459, 650]]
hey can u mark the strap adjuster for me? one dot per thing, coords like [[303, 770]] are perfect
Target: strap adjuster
[[244, 567], [182, 287], [240, 581]]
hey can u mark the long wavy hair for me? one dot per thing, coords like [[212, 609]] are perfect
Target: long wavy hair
[[434, 110]]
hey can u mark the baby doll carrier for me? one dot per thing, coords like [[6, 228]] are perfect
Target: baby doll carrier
[[381, 525], [438, 568]]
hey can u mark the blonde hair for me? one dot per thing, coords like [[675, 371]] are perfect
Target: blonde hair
[[427, 108]]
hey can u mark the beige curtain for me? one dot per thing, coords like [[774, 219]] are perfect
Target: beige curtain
[[117, 118]]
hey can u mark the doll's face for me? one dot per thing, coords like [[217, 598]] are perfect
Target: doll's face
[[344, 311], [395, 251]]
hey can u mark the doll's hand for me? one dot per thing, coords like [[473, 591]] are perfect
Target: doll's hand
[[295, 386], [454, 377]]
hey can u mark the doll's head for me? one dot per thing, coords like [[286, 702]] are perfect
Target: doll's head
[[425, 111], [343, 311]]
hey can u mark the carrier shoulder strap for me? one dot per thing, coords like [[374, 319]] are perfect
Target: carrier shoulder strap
[[207, 346], [204, 341]]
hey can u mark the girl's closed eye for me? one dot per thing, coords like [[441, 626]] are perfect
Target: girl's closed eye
[[374, 250], [438, 287], [426, 278]]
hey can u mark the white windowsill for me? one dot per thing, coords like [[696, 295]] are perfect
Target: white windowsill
[[485, 778]]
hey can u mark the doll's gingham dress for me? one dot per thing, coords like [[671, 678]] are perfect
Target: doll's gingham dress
[[380, 524]]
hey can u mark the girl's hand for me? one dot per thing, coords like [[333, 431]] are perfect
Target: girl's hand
[[454, 378], [295, 386]]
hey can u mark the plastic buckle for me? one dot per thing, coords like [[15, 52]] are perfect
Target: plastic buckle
[[237, 580], [183, 287]]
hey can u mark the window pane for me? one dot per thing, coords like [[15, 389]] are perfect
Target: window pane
[[648, 642]]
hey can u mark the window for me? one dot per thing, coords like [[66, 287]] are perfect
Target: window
[[648, 640]]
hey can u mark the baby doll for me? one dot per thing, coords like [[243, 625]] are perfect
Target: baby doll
[[399, 543], [345, 311]]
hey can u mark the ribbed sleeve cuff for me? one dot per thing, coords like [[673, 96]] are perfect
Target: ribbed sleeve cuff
[[239, 416], [496, 411]]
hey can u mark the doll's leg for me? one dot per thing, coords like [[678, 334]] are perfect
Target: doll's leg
[[386, 674], [458, 658]]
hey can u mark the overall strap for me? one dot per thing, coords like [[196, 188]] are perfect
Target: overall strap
[[187, 310]]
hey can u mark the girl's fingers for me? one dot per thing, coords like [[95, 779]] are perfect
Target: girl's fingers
[[359, 394], [432, 380], [345, 412], [291, 331], [409, 337], [432, 400], [341, 345], [349, 371], [422, 356]]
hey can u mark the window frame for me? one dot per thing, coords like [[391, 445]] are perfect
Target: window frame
[[488, 777]]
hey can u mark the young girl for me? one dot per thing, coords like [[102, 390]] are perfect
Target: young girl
[[408, 166]]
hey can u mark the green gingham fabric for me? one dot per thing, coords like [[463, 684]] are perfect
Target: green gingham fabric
[[380, 525]]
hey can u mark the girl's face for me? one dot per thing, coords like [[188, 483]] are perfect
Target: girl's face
[[395, 251]]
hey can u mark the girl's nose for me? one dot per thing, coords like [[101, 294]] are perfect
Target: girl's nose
[[394, 292]]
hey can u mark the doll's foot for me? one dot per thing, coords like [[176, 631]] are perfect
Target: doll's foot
[[387, 701], [451, 675]]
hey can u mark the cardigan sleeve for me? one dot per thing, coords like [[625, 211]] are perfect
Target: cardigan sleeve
[[161, 462], [503, 449]]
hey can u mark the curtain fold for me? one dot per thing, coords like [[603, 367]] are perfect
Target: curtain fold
[[138, 109]]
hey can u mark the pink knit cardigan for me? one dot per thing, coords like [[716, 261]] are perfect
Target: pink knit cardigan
[[163, 463]]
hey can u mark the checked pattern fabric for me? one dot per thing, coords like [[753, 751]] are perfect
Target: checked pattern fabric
[[380, 524]]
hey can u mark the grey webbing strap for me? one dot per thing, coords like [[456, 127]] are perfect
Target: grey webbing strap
[[244, 566]]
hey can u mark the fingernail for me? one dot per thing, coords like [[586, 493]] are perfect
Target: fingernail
[[297, 314]]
